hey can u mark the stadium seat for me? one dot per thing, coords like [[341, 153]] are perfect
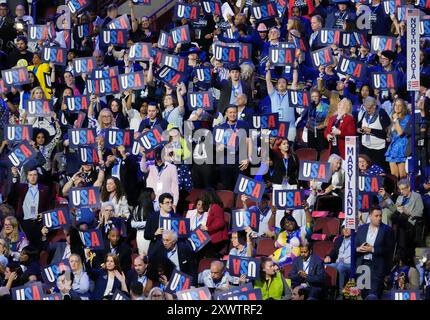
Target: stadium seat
[[328, 226], [324, 155], [390, 183], [227, 198], [322, 248], [265, 247], [194, 195], [331, 281], [205, 264], [227, 219], [307, 154], [43, 258], [287, 270], [58, 236]]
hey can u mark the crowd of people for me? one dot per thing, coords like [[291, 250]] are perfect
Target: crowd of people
[[300, 255]]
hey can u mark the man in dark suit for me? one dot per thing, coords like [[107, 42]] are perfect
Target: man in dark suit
[[138, 273], [231, 88], [29, 201], [180, 253], [374, 243], [308, 270]]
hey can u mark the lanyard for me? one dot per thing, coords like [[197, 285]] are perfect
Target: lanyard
[[171, 253], [198, 221], [281, 98], [153, 123], [346, 247], [405, 201], [286, 164], [306, 270], [235, 125], [160, 171], [33, 195]]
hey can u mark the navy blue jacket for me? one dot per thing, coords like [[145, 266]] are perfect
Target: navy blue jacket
[[316, 273]]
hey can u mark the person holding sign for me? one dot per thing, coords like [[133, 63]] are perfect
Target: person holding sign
[[216, 277], [197, 216], [15, 238], [40, 70], [242, 246], [272, 283], [339, 126]]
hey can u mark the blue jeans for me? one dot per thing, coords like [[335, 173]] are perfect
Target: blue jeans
[[343, 270]]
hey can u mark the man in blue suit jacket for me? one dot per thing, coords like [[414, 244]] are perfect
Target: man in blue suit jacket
[[308, 269], [374, 244]]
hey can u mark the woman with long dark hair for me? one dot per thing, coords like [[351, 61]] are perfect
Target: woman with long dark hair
[[139, 216], [215, 223], [285, 165], [112, 191], [115, 106], [272, 283]]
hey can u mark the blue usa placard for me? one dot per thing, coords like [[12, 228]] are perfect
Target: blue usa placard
[[77, 5], [327, 37], [354, 68], [252, 188], [88, 155], [425, 26], [382, 43], [384, 80], [51, 273], [170, 77], [117, 137], [203, 75], [92, 239], [112, 36], [241, 219], [122, 22], [84, 65], [199, 238], [78, 103], [18, 132], [201, 99], [254, 294], [56, 218], [281, 56], [250, 267], [299, 98], [211, 7], [15, 76], [179, 281], [140, 51], [314, 170], [151, 139], [21, 154], [56, 54], [281, 131], [181, 34], [173, 61], [99, 73], [88, 197], [39, 32], [202, 293], [190, 12], [39, 107], [132, 81], [266, 121], [180, 225], [82, 137], [322, 57], [288, 199], [103, 86], [29, 291], [226, 53], [265, 11]]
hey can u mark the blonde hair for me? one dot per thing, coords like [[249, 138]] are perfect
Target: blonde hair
[[14, 236], [33, 92], [404, 107], [348, 106], [79, 262], [5, 246], [99, 119]]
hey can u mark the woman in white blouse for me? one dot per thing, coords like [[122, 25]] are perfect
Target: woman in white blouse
[[197, 216], [112, 192]]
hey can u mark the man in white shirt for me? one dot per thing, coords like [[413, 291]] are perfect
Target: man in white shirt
[[216, 277]]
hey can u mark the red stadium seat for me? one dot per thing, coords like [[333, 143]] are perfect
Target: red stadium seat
[[324, 155], [205, 264], [59, 236], [307, 154], [287, 270], [265, 247], [227, 198], [194, 195], [329, 226], [331, 281], [322, 248]]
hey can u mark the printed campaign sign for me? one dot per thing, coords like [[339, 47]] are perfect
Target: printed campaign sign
[[18, 132], [56, 218], [165, 40], [322, 57], [368, 187], [390, 6], [170, 77], [82, 137], [252, 188], [241, 219], [281, 56], [15, 76], [80, 120], [281, 131], [57, 55], [29, 291], [361, 39], [51, 273], [122, 22], [354, 68], [3, 87], [191, 12], [116, 37], [53, 296], [299, 98], [179, 281], [140, 51], [243, 265], [21, 154], [92, 239], [365, 201], [401, 14], [254, 294], [84, 65], [425, 27], [406, 295], [265, 11], [201, 99], [104, 73], [142, 2], [78, 103], [39, 32], [423, 4], [347, 40], [104, 86], [77, 5], [300, 43], [39, 108], [88, 155], [327, 37], [226, 53], [199, 238], [175, 62], [265, 121], [84, 30], [117, 137], [350, 199], [314, 170], [223, 295], [180, 34], [288, 199], [119, 295], [88, 197], [382, 43], [132, 81], [245, 51], [203, 74], [384, 80], [180, 225], [201, 293], [211, 7], [151, 139]]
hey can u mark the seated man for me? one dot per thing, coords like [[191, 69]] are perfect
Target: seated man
[[308, 271], [216, 277]]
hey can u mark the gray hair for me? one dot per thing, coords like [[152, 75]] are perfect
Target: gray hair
[[334, 157], [172, 233], [404, 182], [108, 204], [369, 100], [218, 263], [247, 70]]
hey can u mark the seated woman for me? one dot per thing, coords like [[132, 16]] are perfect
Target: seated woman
[[15, 238], [288, 242], [108, 279], [29, 261], [272, 283], [367, 167], [197, 216], [404, 275], [159, 273], [112, 192]]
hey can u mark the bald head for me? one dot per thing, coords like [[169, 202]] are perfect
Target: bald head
[[217, 270]]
